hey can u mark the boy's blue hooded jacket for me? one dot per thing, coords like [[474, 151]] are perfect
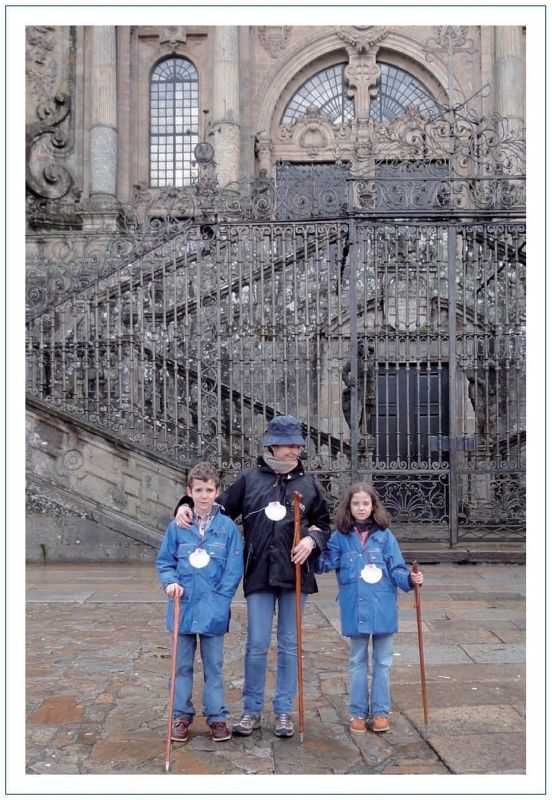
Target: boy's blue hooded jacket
[[366, 607], [208, 591]]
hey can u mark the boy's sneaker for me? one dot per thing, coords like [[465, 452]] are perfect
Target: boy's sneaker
[[219, 731], [180, 732], [283, 726], [380, 724], [247, 724], [358, 725]]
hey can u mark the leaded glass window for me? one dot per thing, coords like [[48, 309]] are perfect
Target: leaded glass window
[[327, 92], [397, 91], [174, 103]]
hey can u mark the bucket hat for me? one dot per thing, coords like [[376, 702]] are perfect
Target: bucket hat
[[283, 430]]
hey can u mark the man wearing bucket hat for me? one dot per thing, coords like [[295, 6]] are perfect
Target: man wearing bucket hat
[[263, 497]]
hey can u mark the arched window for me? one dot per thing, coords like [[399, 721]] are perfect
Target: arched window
[[397, 91], [327, 91], [174, 119]]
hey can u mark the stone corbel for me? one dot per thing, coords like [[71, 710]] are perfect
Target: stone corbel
[[362, 73], [172, 38], [264, 149]]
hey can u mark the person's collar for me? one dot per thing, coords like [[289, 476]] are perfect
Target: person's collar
[[278, 466], [215, 508]]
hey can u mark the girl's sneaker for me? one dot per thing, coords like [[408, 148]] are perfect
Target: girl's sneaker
[[358, 725], [380, 724]]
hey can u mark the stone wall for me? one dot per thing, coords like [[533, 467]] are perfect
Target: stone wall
[[89, 498]]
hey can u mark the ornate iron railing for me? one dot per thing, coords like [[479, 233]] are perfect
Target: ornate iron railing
[[391, 320]]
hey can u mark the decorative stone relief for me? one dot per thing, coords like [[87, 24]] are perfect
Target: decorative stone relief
[[45, 177], [41, 65], [171, 38], [274, 38], [448, 36], [403, 310], [72, 459], [311, 135], [362, 38]]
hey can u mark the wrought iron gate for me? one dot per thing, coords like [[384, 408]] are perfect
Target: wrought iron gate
[[395, 332]]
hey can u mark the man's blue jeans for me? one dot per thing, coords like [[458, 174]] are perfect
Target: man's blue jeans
[[363, 703], [260, 614], [212, 657]]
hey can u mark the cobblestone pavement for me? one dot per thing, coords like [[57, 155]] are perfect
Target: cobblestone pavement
[[98, 660]]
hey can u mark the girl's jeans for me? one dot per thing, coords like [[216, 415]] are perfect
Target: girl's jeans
[[375, 703], [212, 656], [260, 614]]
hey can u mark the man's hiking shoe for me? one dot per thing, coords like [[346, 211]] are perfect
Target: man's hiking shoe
[[358, 725], [283, 726], [247, 724], [219, 731], [180, 727], [380, 724]]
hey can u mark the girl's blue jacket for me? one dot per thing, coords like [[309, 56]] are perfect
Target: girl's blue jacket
[[366, 607], [208, 591]]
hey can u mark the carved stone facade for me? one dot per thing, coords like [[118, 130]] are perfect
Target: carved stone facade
[[244, 84]]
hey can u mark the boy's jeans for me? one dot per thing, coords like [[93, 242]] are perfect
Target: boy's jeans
[[212, 656], [260, 615], [378, 704]]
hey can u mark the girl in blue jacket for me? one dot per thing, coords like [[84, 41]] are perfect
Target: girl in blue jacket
[[369, 567]]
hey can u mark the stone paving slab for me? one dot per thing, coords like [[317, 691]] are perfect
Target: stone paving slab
[[440, 693], [503, 653], [98, 659], [432, 655], [59, 595]]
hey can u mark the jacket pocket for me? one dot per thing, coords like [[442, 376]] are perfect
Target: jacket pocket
[[217, 555], [348, 567], [248, 560], [184, 551]]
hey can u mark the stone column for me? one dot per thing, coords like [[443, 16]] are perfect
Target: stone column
[[103, 128], [226, 104], [510, 95]]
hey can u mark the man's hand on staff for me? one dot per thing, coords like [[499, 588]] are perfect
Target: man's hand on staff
[[303, 550], [184, 517]]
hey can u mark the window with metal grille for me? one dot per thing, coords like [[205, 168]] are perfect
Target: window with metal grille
[[326, 91], [174, 118]]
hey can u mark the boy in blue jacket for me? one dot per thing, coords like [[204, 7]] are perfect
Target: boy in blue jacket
[[369, 568], [202, 565]]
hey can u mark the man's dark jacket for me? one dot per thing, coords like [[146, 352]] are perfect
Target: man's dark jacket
[[268, 543]]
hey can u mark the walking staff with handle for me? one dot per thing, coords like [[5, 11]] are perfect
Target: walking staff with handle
[[296, 539], [176, 622], [418, 602]]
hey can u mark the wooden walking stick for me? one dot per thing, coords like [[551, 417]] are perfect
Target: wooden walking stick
[[176, 621], [416, 569], [296, 539]]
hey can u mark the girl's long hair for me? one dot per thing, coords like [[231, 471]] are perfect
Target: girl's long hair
[[343, 518]]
